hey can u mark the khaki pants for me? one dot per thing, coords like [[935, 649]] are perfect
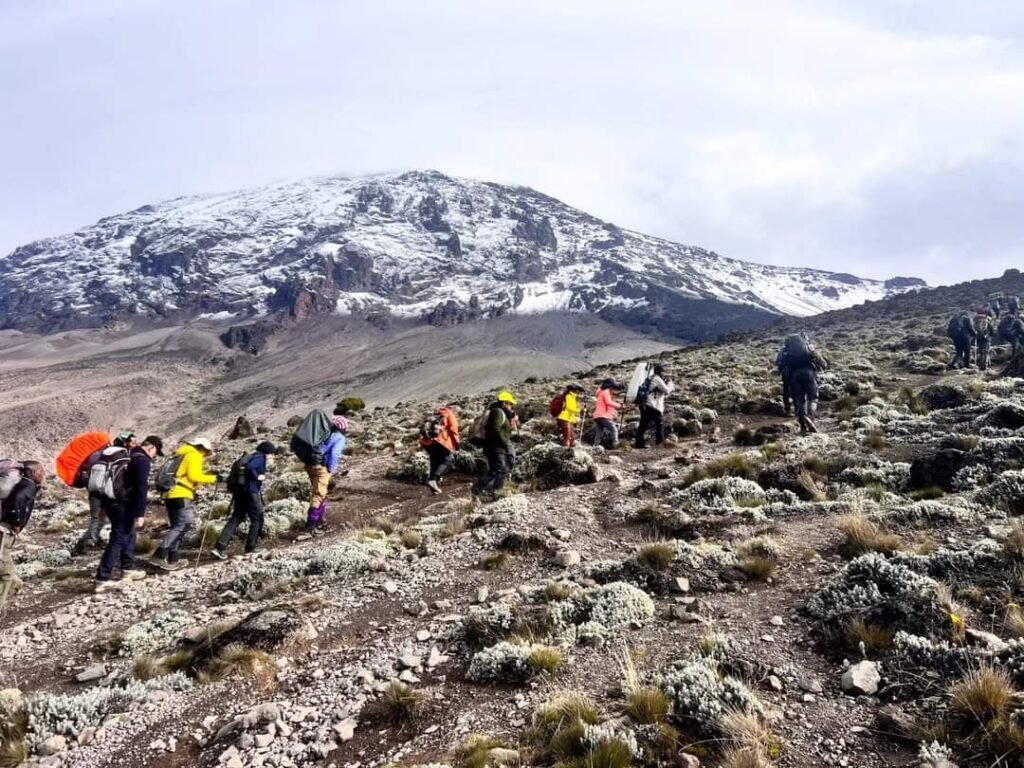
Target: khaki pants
[[319, 478], [9, 581]]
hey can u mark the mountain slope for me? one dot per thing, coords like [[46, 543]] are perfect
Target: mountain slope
[[418, 244]]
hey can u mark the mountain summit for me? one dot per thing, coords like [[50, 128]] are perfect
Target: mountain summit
[[418, 244]]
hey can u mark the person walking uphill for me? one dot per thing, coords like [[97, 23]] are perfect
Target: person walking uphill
[[126, 514], [804, 362], [188, 476], [19, 485], [91, 538], [606, 409], [245, 483], [326, 460], [569, 414], [983, 333], [652, 407], [496, 441], [440, 439], [961, 331]]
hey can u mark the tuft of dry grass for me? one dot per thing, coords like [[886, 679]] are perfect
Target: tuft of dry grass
[[746, 732], [476, 750], [240, 661], [862, 535], [400, 704], [495, 561], [1015, 620], [656, 556], [647, 706], [927, 493], [742, 758], [874, 637], [383, 525], [876, 440], [455, 525], [985, 696], [411, 539], [1013, 545], [758, 567], [13, 753], [814, 464], [556, 591], [734, 465], [147, 668], [545, 659]]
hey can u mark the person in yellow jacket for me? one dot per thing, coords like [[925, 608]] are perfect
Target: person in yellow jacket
[[188, 476], [571, 410]]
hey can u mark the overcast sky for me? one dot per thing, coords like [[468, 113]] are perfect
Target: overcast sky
[[879, 138]]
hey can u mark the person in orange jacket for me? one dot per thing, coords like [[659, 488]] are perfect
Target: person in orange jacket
[[440, 439]]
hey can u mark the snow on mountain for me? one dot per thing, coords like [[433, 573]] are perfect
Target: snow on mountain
[[418, 244]]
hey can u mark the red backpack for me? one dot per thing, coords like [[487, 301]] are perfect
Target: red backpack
[[557, 405]]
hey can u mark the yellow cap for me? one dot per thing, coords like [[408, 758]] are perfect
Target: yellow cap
[[507, 397]]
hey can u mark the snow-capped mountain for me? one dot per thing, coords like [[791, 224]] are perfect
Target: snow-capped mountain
[[418, 244]]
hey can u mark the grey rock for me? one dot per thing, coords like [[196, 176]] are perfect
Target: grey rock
[[91, 674], [862, 679], [345, 730], [567, 558], [52, 746], [409, 661]]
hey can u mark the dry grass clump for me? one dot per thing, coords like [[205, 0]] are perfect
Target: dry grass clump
[[965, 443], [148, 667], [876, 440], [652, 516], [862, 535], [1014, 621], [771, 451], [1013, 545], [647, 706], [383, 525], [927, 494], [746, 732], [742, 758], [758, 568], [873, 637], [400, 704], [985, 696], [558, 728], [558, 591], [410, 538], [476, 751], [495, 561], [455, 525], [545, 659], [815, 464], [734, 465], [656, 556], [240, 661]]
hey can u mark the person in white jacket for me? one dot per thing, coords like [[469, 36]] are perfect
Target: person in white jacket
[[652, 411]]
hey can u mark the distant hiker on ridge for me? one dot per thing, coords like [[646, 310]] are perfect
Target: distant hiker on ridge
[[439, 437]]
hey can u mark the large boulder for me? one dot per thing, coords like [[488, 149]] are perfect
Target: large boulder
[[861, 679]]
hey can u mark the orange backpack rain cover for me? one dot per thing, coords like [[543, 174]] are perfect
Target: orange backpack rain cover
[[77, 451]]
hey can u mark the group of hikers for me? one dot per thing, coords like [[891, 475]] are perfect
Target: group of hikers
[[989, 322], [116, 471]]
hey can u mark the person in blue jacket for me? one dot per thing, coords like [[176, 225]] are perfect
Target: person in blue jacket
[[246, 486], [320, 475]]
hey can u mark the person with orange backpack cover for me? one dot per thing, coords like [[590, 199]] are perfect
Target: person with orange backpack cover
[[440, 438]]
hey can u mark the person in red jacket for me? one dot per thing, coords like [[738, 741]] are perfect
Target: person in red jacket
[[606, 410], [440, 439]]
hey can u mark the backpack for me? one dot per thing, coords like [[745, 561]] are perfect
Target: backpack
[[643, 391], [1005, 326], [431, 428], [237, 477], [478, 429], [106, 477], [557, 405], [167, 476], [78, 457], [310, 436], [798, 352], [10, 475]]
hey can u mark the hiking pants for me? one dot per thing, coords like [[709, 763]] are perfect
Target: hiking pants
[[805, 395], [962, 345], [984, 348], [568, 433], [498, 465], [91, 537], [650, 417], [9, 581], [319, 480], [121, 546], [246, 506], [787, 393], [440, 461], [605, 429], [181, 515]]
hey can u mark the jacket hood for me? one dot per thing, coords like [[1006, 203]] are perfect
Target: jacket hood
[[185, 450]]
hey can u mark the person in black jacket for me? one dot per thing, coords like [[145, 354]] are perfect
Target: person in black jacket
[[15, 511], [247, 499], [128, 514]]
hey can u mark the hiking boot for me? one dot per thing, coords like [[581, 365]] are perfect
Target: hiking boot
[[106, 585], [316, 533], [434, 487], [132, 575], [159, 554], [218, 554]]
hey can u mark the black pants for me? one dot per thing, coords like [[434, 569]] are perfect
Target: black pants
[[787, 393], [962, 345], [121, 546], [984, 347], [247, 506], [650, 417], [804, 383], [440, 460], [498, 465]]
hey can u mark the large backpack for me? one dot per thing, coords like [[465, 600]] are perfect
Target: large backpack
[[643, 391], [237, 477], [557, 405], [798, 352], [167, 475], [1005, 328], [310, 436], [78, 457], [431, 428], [478, 429], [106, 477], [11, 472]]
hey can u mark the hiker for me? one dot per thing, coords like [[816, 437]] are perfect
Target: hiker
[[994, 308], [320, 473], [91, 538], [606, 410], [1011, 330], [569, 413], [189, 474], [783, 370], [21, 484], [651, 400], [440, 438], [803, 362], [496, 442], [961, 331], [983, 337], [126, 514], [245, 482], [1013, 305]]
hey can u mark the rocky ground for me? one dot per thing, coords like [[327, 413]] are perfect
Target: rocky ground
[[742, 596]]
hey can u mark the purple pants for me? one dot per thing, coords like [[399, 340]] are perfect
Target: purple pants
[[316, 514]]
